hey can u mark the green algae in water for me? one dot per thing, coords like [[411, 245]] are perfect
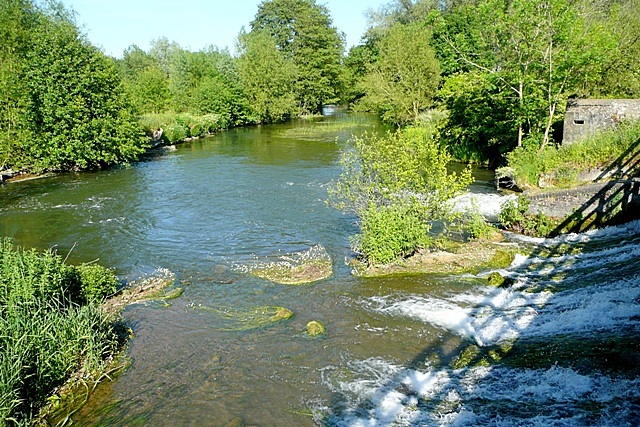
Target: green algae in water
[[245, 320], [297, 268], [323, 129], [474, 356], [173, 293], [315, 328]]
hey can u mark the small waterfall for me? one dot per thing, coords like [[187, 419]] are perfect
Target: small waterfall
[[528, 347]]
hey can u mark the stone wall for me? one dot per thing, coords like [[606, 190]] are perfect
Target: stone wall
[[585, 116]]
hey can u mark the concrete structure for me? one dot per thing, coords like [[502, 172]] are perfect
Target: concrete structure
[[585, 116]]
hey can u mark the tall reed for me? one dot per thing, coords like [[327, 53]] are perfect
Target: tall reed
[[51, 327]]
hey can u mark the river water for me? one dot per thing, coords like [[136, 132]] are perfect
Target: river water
[[213, 209]]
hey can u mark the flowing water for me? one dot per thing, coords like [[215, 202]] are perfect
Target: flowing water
[[211, 210]]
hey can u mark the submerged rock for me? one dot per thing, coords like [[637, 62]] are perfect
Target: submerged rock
[[143, 290], [282, 314], [173, 293], [315, 328]]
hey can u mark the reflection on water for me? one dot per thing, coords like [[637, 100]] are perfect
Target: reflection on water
[[255, 194]]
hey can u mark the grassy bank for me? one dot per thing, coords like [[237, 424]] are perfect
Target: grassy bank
[[52, 327], [562, 166]]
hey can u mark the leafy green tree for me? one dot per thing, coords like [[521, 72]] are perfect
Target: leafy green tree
[[618, 24], [539, 51], [63, 106], [479, 127], [149, 90], [359, 59], [76, 113], [17, 19], [145, 81], [304, 33], [134, 61], [404, 80], [267, 77], [164, 51]]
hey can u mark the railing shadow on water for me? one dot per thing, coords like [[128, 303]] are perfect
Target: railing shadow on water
[[614, 203]]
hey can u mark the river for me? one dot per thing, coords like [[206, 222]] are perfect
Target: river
[[212, 209]]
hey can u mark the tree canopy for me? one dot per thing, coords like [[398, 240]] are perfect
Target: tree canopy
[[503, 69], [303, 32], [64, 105]]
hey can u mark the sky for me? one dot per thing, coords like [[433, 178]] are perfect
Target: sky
[[114, 25]]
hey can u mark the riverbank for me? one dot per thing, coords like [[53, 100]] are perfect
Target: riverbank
[[61, 328], [74, 392]]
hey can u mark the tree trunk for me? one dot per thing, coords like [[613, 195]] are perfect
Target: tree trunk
[[521, 101]]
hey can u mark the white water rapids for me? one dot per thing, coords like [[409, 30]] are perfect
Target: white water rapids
[[578, 285]]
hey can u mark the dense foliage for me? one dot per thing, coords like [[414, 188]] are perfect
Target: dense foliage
[[302, 31], [268, 77], [404, 80], [399, 186], [63, 103], [503, 69], [288, 64], [52, 327]]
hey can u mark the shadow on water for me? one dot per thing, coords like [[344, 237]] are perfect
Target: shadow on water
[[551, 269]]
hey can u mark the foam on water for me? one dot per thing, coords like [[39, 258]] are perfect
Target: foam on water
[[489, 315], [487, 204], [600, 292], [384, 394]]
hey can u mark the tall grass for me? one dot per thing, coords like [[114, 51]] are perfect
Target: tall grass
[[562, 165], [51, 327]]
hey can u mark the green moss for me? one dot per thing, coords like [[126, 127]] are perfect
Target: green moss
[[297, 268], [173, 293], [282, 314], [502, 258], [607, 353], [286, 274], [497, 280], [450, 258], [315, 328], [473, 356], [468, 357]]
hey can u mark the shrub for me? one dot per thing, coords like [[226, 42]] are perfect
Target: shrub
[[211, 122], [186, 121], [97, 282], [175, 133], [514, 216], [561, 165], [477, 226], [398, 185], [197, 127], [391, 232], [513, 212], [151, 122]]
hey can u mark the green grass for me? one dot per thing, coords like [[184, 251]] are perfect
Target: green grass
[[561, 165], [51, 328]]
